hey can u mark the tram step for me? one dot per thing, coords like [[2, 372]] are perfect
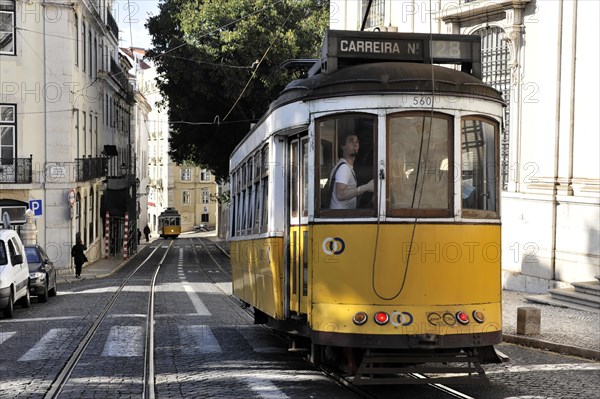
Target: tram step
[[394, 368]]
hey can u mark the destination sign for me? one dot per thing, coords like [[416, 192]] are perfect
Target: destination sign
[[380, 47], [351, 47]]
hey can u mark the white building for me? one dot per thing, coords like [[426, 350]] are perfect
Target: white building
[[140, 124], [543, 56], [160, 168], [65, 122]]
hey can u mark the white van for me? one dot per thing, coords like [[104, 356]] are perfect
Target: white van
[[14, 273]]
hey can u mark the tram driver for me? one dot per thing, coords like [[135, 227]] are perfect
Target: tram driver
[[345, 190]]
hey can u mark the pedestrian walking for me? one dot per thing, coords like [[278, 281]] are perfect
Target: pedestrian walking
[[77, 252], [147, 233], [139, 236]]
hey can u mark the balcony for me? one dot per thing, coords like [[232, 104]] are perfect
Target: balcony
[[91, 168], [15, 170], [119, 75], [112, 25]]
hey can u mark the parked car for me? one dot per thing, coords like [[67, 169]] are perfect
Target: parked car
[[201, 227], [42, 274], [14, 276]]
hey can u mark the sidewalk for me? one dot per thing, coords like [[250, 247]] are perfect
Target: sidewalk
[[101, 268], [563, 330]]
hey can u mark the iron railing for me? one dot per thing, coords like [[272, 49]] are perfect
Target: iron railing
[[113, 26], [16, 170], [91, 168]]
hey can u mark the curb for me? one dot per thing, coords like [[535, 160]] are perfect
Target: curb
[[551, 346]]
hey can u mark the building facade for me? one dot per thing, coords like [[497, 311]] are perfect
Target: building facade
[[65, 122], [542, 55], [194, 197]]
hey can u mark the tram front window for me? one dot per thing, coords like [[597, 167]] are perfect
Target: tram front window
[[479, 174], [346, 178], [419, 162]]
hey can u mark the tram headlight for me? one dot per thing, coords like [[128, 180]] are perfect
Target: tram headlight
[[381, 318], [360, 318], [478, 316], [462, 317]]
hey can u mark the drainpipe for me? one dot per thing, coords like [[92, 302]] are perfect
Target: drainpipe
[[568, 154], [556, 142], [43, 178]]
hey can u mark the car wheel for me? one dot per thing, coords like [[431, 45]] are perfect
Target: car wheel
[[9, 310], [54, 288], [26, 300], [43, 297]]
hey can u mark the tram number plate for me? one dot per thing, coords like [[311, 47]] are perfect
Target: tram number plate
[[422, 101]]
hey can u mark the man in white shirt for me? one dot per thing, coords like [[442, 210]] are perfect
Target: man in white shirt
[[345, 192]]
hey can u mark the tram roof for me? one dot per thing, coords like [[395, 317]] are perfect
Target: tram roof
[[168, 212], [387, 78]]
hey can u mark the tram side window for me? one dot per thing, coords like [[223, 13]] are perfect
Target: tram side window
[[419, 153], [264, 220], [479, 168], [346, 161], [256, 183]]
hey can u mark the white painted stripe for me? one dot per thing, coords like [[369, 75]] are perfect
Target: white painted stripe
[[547, 367], [197, 287], [201, 339], [225, 287], [264, 388], [201, 309], [48, 347], [6, 335], [38, 319], [124, 341], [128, 315]]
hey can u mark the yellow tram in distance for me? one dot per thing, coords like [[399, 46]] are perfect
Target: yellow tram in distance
[[169, 223], [396, 260]]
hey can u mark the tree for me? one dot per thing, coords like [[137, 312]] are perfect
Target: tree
[[220, 67]]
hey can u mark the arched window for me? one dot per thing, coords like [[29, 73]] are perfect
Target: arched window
[[495, 56]]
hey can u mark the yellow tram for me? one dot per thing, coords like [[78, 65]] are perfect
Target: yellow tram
[[169, 223], [409, 266]]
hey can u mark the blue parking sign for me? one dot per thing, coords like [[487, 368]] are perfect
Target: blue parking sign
[[36, 207]]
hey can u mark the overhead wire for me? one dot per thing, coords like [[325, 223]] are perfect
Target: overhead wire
[[275, 38], [420, 188]]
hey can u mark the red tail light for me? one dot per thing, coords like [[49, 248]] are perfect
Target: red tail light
[[381, 318], [462, 317]]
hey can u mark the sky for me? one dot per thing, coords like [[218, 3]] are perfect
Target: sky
[[131, 15]]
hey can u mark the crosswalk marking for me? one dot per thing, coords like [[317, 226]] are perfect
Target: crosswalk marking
[[259, 342], [47, 347], [200, 337], [6, 335], [128, 341], [265, 388], [124, 341]]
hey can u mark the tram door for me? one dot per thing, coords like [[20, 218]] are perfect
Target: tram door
[[298, 228]]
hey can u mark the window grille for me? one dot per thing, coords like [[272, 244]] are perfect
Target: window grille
[[495, 57]]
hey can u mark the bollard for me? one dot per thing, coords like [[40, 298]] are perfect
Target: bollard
[[528, 320]]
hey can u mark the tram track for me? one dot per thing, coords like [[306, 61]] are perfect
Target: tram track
[[62, 379]]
